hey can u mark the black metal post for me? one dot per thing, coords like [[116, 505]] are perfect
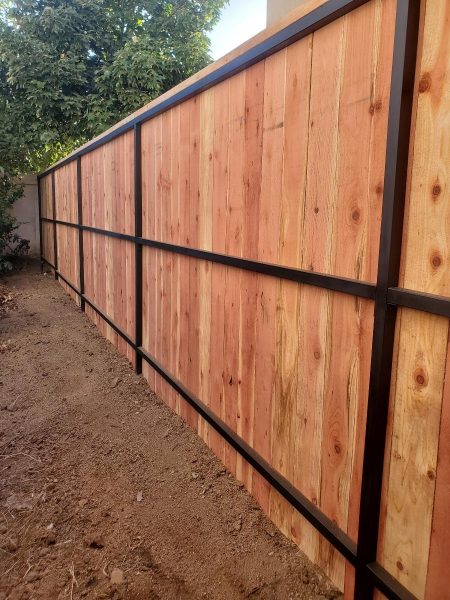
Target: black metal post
[[386, 294], [55, 238], [138, 247], [40, 222], [340, 540], [80, 233], [395, 180]]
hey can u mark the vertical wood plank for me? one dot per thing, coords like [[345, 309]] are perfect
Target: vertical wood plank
[[268, 288], [206, 189], [148, 254], [346, 379], [219, 203], [157, 254], [130, 249], [437, 575], [410, 503], [233, 247], [254, 115], [166, 257], [412, 468], [318, 221], [185, 238], [175, 231], [192, 378]]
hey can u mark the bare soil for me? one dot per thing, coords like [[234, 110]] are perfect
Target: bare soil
[[104, 492]]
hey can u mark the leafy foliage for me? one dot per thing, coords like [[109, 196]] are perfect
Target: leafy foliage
[[69, 69], [11, 244]]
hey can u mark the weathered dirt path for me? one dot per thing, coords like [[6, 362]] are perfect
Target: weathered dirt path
[[104, 493]]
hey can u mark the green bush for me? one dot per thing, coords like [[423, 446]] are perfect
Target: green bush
[[12, 245]]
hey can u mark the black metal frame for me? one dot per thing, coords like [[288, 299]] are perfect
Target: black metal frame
[[395, 181], [341, 541], [55, 233], [436, 305], [40, 223], [353, 287], [386, 293], [80, 233], [138, 247]]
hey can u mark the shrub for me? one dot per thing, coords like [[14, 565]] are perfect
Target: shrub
[[12, 245]]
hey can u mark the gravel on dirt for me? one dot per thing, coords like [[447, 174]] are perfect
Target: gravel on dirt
[[98, 497]]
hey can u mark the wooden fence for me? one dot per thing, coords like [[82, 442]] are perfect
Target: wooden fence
[[269, 243]]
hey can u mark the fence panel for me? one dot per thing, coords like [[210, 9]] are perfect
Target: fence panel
[[414, 532], [230, 240]]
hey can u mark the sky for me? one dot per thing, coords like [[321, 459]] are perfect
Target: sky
[[240, 20]]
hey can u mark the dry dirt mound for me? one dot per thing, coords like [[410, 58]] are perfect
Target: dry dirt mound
[[104, 492]]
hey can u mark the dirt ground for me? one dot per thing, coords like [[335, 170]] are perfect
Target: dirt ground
[[104, 492]]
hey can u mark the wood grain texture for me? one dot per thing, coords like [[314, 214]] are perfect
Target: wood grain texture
[[267, 288], [107, 284], [269, 123], [233, 277], [148, 140], [426, 247], [352, 93], [413, 536], [193, 203], [108, 203], [66, 204], [417, 396], [253, 139], [437, 576], [219, 199], [48, 250], [45, 184], [66, 193], [295, 14], [318, 227], [282, 163], [206, 176], [108, 186], [68, 257]]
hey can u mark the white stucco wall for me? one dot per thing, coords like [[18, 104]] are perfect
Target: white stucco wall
[[277, 9], [26, 211]]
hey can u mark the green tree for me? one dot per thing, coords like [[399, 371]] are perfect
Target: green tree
[[69, 69]]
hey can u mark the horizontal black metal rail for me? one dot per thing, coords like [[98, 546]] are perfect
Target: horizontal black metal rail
[[385, 293], [322, 280], [436, 305], [345, 545], [396, 296], [316, 19], [386, 583], [340, 540], [94, 306]]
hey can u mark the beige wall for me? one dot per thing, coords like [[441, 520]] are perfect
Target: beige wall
[[277, 9], [26, 211]]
